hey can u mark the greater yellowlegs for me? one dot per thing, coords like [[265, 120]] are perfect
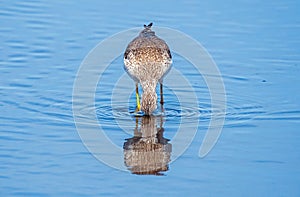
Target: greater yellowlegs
[[147, 59]]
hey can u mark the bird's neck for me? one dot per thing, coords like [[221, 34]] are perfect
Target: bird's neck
[[149, 86]]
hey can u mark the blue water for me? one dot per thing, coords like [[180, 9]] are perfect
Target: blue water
[[255, 45]]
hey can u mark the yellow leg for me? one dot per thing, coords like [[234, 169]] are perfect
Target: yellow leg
[[138, 103]]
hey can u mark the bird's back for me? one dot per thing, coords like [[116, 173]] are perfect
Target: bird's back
[[147, 56]]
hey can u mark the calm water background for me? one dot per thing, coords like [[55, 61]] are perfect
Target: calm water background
[[255, 45]]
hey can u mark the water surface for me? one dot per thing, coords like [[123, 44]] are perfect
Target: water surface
[[255, 45]]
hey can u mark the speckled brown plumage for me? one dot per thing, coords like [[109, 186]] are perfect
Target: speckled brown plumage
[[147, 59]]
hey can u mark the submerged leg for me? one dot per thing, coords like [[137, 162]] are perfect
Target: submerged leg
[[136, 129], [138, 104]]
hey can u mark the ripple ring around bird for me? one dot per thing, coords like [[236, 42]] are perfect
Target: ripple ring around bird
[[100, 57]]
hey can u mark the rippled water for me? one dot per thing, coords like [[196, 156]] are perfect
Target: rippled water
[[256, 47]]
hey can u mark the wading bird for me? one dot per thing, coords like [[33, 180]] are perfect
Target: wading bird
[[147, 60]]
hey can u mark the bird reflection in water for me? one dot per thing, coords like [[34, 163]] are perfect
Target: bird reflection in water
[[148, 152]]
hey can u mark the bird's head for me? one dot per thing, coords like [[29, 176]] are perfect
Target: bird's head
[[148, 104]]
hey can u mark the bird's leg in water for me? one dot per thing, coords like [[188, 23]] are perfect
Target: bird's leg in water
[[161, 94], [138, 103], [161, 97]]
